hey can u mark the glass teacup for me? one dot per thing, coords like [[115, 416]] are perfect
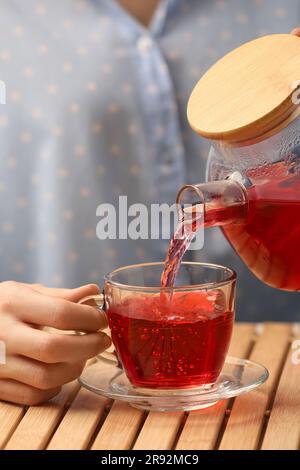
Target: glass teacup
[[169, 338]]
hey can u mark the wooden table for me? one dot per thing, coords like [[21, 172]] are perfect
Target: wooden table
[[268, 418]]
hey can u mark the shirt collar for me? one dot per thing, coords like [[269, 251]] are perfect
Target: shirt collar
[[165, 9], [131, 26]]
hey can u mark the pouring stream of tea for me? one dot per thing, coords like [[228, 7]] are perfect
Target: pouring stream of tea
[[192, 218], [190, 221]]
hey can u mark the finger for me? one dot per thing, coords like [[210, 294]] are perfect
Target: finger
[[53, 348], [74, 295], [39, 374], [16, 392], [296, 31], [58, 313]]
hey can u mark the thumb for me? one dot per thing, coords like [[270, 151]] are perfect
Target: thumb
[[296, 31]]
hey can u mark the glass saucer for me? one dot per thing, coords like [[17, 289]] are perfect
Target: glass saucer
[[238, 376]]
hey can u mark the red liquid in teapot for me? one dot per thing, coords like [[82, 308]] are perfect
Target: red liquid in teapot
[[175, 344], [268, 241]]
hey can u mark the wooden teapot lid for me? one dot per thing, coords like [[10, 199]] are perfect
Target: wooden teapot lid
[[249, 91]]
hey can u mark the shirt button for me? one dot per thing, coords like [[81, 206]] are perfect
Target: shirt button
[[144, 43], [166, 169], [168, 159]]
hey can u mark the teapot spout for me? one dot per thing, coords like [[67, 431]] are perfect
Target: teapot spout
[[222, 202]]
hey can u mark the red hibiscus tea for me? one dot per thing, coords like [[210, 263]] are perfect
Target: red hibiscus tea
[[175, 342], [268, 239]]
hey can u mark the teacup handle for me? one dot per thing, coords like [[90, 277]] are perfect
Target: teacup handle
[[99, 301]]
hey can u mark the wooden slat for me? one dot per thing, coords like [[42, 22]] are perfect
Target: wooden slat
[[159, 431], [202, 427], [10, 416], [119, 429], [38, 424], [245, 423], [283, 430], [79, 423]]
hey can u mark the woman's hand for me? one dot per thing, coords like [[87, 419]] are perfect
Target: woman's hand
[[296, 31], [38, 363]]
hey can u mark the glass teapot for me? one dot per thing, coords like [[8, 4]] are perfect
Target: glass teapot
[[252, 187]]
